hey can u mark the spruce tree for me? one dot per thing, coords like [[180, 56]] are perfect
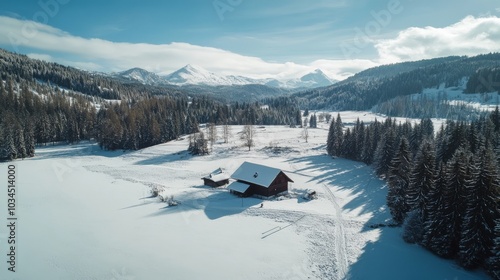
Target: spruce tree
[[453, 204], [335, 137], [493, 265], [367, 150], [384, 153], [398, 181], [422, 178], [479, 216], [330, 140], [435, 229], [339, 135]]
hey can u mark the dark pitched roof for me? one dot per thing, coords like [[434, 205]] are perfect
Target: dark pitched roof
[[257, 174]]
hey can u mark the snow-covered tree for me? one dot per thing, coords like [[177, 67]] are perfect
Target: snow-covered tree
[[434, 227], [335, 137], [479, 217], [457, 179], [422, 178], [493, 263], [385, 152], [398, 181], [413, 227]]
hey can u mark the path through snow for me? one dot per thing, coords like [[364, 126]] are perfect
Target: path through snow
[[340, 241]]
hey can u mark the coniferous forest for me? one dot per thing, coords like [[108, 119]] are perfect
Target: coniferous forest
[[443, 186], [43, 103]]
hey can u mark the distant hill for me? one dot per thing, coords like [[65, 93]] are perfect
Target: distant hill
[[373, 86], [193, 75], [33, 71]]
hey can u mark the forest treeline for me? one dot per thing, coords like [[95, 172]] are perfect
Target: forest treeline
[[443, 187], [39, 115], [373, 86], [23, 69]]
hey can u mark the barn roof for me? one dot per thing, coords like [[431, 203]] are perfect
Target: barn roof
[[217, 176], [256, 174], [238, 187]]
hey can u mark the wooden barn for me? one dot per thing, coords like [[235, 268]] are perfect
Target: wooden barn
[[255, 179], [216, 179]]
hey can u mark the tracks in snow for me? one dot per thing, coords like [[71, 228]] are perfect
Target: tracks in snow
[[340, 240]]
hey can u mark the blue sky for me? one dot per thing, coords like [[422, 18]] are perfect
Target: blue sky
[[252, 37]]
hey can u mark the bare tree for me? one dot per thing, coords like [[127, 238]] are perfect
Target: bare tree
[[247, 136], [226, 132], [212, 134], [305, 133]]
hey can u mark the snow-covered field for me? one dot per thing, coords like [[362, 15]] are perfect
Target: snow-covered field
[[84, 213]]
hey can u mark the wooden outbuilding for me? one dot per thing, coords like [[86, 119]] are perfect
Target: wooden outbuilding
[[216, 179], [260, 180]]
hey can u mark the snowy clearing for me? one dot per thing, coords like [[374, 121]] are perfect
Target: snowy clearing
[[87, 214]]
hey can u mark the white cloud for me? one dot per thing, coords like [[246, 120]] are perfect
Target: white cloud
[[41, 56], [102, 55], [471, 36]]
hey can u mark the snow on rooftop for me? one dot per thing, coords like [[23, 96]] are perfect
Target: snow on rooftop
[[256, 174], [217, 176], [238, 187]]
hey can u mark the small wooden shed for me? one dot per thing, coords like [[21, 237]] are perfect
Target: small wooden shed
[[216, 179]]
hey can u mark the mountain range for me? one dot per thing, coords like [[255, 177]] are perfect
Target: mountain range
[[190, 75]]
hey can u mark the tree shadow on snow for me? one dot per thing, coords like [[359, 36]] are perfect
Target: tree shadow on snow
[[158, 160], [215, 203], [356, 177], [388, 256], [66, 151]]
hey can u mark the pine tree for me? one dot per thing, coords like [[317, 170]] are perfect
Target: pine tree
[[359, 134], [398, 181], [422, 178], [453, 204], [9, 144], [493, 265], [330, 141], [313, 122], [367, 150], [19, 141], [347, 148], [384, 153], [339, 135], [479, 216], [434, 227]]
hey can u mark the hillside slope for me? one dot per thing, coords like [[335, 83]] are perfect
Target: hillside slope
[[368, 88]]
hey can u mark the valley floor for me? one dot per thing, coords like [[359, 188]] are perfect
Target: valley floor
[[84, 213]]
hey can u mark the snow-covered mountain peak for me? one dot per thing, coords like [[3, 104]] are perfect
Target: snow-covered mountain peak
[[141, 75], [195, 75], [317, 78]]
